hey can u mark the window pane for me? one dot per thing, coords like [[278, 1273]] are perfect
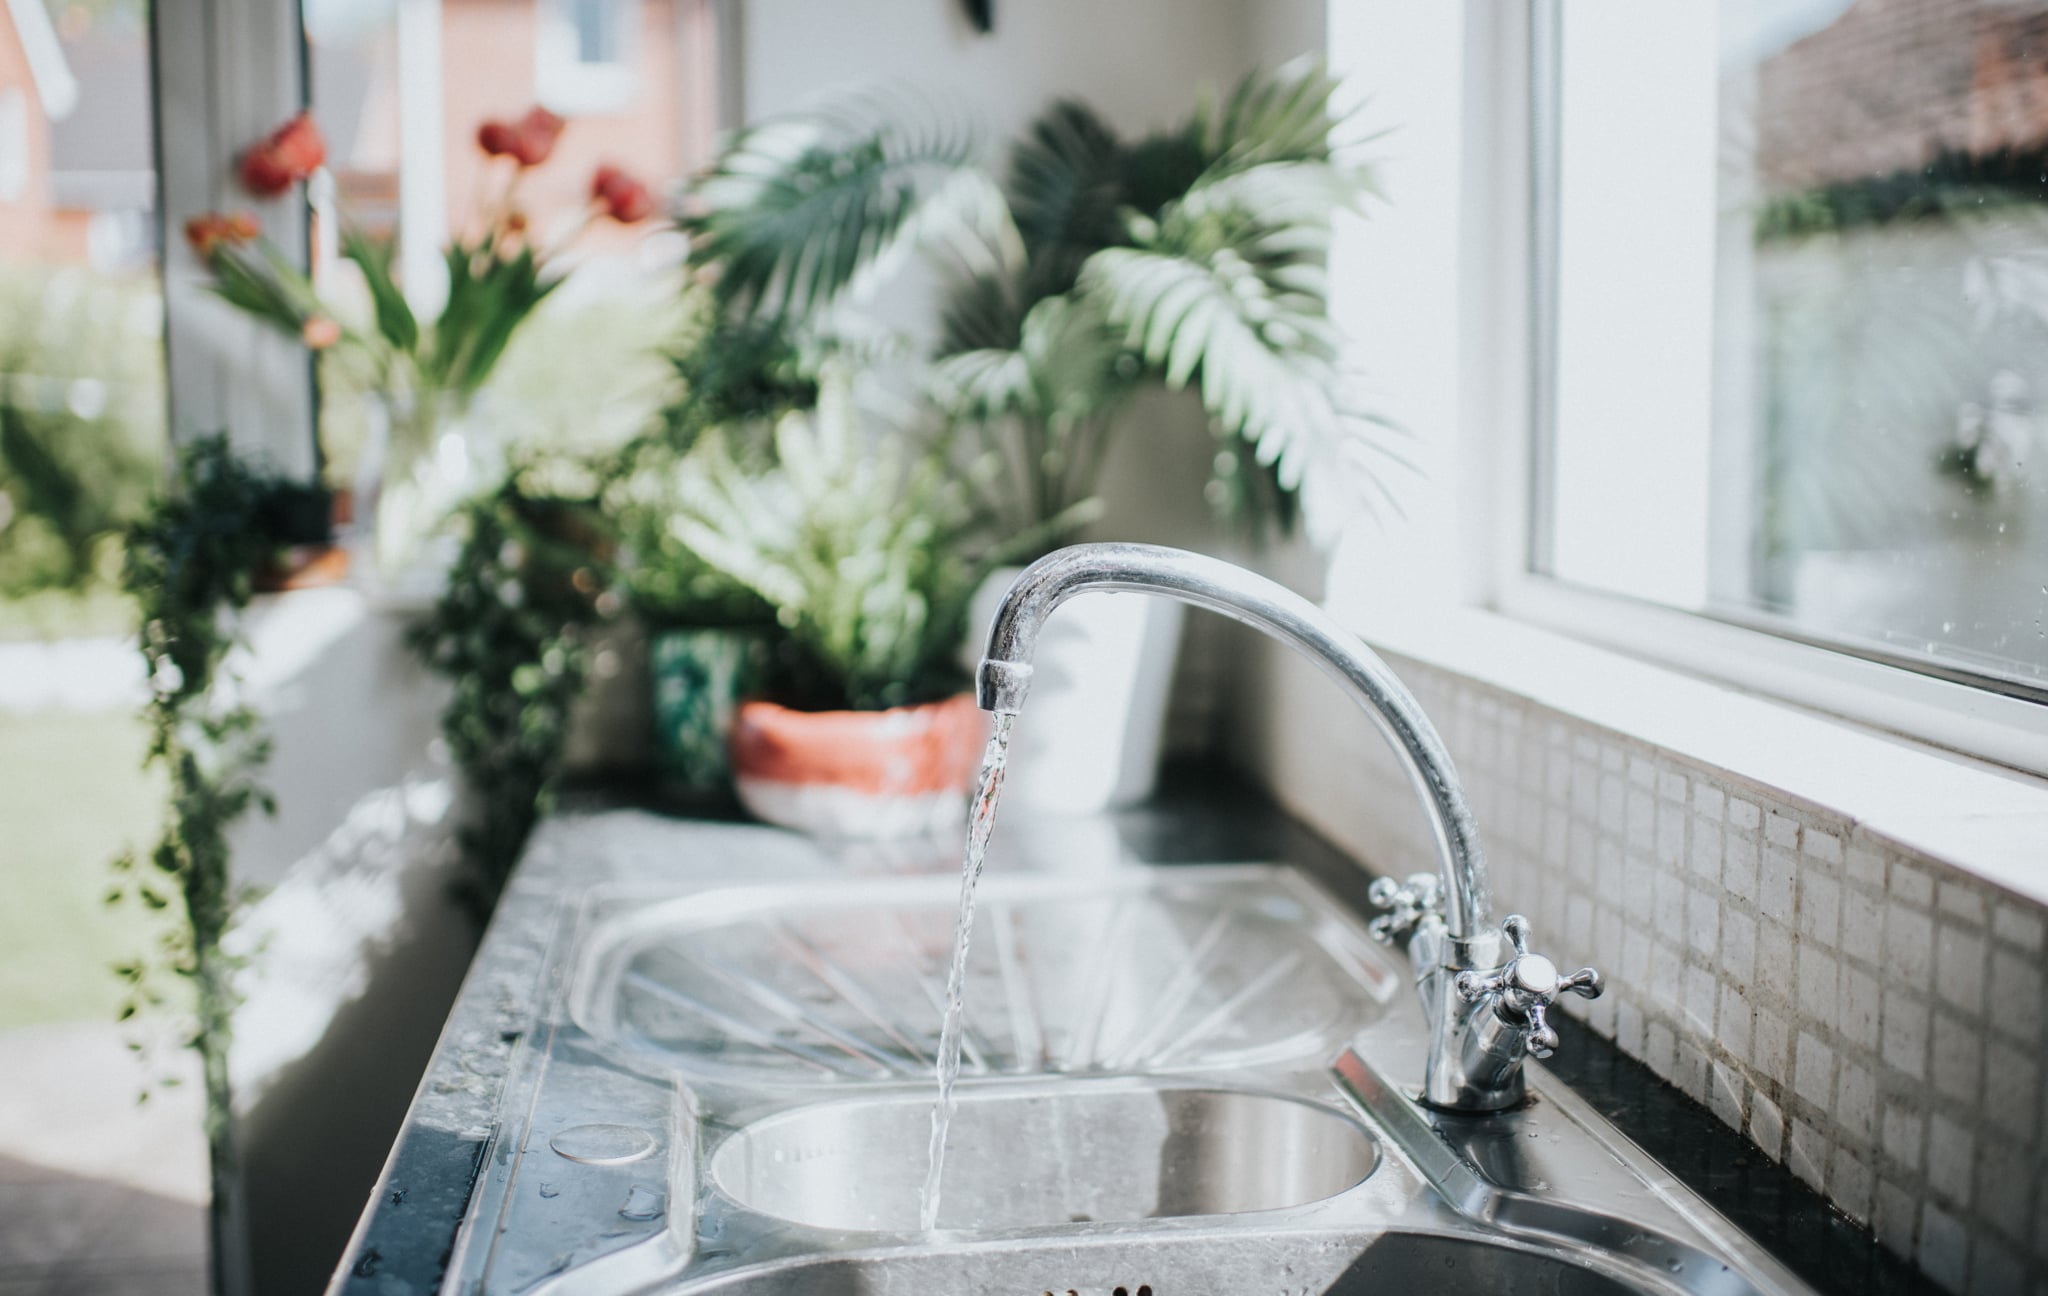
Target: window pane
[[81, 308], [585, 369], [597, 36], [1803, 320]]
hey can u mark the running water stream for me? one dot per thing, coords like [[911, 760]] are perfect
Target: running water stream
[[988, 788]]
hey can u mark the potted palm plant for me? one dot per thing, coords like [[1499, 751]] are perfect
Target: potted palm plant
[[1092, 268], [869, 549]]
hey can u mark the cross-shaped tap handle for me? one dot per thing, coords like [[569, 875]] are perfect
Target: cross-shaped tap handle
[[1409, 902], [1527, 985]]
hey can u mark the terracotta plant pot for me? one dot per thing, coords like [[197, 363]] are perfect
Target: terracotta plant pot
[[308, 566], [904, 772]]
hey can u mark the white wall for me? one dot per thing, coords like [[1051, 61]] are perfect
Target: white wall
[[1278, 31], [1138, 62], [355, 941]]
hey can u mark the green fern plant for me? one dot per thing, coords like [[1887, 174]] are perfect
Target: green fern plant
[[1192, 257], [868, 548]]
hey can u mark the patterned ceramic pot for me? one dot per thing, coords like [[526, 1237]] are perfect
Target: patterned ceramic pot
[[699, 677], [904, 772]]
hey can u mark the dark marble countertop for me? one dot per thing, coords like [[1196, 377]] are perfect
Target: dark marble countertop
[[1202, 816]]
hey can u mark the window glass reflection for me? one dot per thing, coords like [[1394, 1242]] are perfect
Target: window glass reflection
[[1861, 459], [81, 308]]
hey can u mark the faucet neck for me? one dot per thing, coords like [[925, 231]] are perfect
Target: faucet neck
[[1005, 676]]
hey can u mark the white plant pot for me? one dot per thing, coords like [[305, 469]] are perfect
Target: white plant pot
[[1094, 721]]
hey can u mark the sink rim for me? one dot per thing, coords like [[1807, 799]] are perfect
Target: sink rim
[[1349, 1246]]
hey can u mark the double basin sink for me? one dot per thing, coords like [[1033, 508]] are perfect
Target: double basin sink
[[1177, 1082]]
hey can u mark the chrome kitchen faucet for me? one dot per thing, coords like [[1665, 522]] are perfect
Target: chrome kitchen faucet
[[1485, 1012]]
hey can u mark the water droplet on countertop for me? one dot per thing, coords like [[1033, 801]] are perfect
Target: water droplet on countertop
[[644, 1203], [603, 1144], [549, 1190]]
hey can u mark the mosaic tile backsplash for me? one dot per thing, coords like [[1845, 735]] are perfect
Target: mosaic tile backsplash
[[1871, 1017]]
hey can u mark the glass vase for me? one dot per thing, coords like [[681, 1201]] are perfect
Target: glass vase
[[423, 456]]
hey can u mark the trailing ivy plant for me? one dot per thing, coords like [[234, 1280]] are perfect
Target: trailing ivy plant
[[559, 545], [191, 564], [511, 634]]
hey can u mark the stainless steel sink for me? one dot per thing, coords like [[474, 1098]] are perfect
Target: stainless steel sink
[[1403, 1263], [726, 1095], [1049, 1153], [1453, 1265]]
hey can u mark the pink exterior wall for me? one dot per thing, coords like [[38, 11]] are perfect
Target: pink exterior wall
[[26, 230], [660, 135]]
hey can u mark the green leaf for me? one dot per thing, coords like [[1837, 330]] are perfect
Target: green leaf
[[799, 212], [1066, 187], [1280, 116], [394, 316], [1224, 301], [867, 547], [249, 288]]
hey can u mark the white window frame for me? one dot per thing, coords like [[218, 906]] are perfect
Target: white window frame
[[564, 82], [1471, 541], [14, 149], [227, 72]]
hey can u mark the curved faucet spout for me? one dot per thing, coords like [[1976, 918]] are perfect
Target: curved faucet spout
[[1005, 676]]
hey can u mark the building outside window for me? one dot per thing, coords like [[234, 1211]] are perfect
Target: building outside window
[[81, 301]]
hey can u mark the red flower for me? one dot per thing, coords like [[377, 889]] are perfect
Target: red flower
[[214, 229], [286, 156], [497, 138], [622, 198], [538, 131], [527, 141]]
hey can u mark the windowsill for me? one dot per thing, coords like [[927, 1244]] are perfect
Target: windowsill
[[290, 632], [1988, 821]]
